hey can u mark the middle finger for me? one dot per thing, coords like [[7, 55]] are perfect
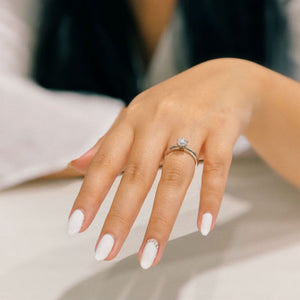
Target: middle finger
[[144, 159]]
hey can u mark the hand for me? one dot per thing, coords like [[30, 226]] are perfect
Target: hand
[[210, 105], [81, 164]]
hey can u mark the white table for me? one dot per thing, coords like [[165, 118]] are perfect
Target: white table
[[253, 252]]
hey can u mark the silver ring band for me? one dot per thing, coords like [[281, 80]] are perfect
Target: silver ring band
[[181, 146]]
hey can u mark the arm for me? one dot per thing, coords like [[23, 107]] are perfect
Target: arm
[[274, 130]]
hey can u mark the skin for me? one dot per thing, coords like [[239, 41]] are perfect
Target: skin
[[223, 99], [152, 16], [211, 105]]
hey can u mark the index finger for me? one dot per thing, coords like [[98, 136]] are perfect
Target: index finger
[[105, 166]]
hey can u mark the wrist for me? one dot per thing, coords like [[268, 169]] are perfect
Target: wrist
[[260, 86]]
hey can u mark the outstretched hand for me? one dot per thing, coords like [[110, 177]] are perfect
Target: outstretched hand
[[210, 105]]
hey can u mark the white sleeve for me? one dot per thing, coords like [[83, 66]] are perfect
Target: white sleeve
[[41, 130], [18, 25], [293, 17]]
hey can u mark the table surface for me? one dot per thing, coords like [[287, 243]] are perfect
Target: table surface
[[252, 253]]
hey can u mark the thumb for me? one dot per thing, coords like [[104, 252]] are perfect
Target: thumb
[[82, 163]]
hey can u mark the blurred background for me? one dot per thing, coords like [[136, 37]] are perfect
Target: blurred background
[[67, 68]]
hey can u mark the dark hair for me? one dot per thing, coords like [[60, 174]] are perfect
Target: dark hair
[[85, 45]]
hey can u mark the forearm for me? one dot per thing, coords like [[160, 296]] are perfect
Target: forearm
[[274, 130]]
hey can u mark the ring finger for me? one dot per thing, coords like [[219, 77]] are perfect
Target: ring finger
[[177, 173]]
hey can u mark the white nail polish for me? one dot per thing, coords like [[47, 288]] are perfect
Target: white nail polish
[[206, 223], [75, 222], [149, 253], [104, 247]]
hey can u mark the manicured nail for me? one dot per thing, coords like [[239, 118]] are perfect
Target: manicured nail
[[149, 253], [206, 223], [75, 222], [104, 247]]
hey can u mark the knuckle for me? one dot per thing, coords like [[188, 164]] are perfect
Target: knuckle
[[173, 176], [214, 193], [106, 162], [166, 106], [216, 164], [131, 108], [134, 173], [214, 179], [128, 115], [158, 222], [117, 218], [221, 120], [136, 104]]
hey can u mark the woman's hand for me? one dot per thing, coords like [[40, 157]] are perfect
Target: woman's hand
[[210, 105], [81, 164]]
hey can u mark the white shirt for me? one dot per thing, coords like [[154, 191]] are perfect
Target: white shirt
[[42, 131]]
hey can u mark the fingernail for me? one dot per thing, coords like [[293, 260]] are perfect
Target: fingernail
[[149, 253], [75, 222], [70, 165], [104, 247], [206, 223], [86, 153]]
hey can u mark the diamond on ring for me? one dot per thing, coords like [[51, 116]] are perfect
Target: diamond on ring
[[181, 145], [182, 142]]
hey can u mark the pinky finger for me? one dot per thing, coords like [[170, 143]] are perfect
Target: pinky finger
[[217, 161]]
